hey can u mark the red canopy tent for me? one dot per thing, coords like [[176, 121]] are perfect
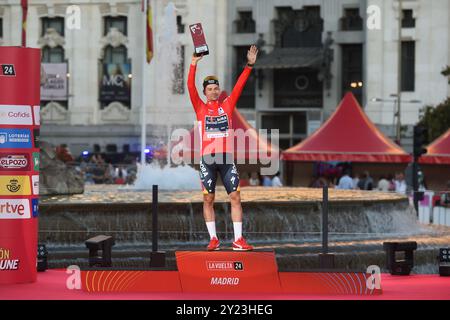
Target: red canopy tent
[[255, 148], [438, 152], [348, 135]]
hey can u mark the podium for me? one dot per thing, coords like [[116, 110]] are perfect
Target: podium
[[228, 271]]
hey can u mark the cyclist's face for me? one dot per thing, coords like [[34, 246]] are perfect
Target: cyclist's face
[[212, 92]]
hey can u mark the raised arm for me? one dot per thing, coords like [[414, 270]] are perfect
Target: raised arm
[[193, 93], [239, 86]]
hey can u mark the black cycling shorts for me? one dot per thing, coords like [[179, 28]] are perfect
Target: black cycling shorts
[[222, 163]]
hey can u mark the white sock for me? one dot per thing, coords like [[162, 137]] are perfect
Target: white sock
[[237, 226], [211, 225]]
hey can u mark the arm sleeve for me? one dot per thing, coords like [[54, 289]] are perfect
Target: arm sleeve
[[239, 86], [193, 94]]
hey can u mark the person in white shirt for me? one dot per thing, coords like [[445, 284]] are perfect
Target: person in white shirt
[[254, 180], [345, 182], [400, 183], [276, 182], [383, 184]]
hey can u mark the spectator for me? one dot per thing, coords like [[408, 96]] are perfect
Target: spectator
[[254, 179], [445, 196], [276, 182], [400, 183], [63, 153], [320, 182], [98, 174], [383, 184], [345, 182], [267, 182], [390, 178], [120, 175], [366, 182]]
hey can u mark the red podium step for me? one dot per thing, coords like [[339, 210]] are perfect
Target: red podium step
[[228, 271]]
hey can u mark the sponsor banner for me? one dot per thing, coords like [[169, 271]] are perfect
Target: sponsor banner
[[36, 134], [13, 161], [7, 70], [255, 271], [11, 114], [35, 184], [15, 138], [115, 85], [14, 209], [8, 261], [36, 160], [35, 207], [15, 186], [55, 86], [37, 115]]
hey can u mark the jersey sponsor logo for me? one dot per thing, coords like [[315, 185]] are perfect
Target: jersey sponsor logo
[[15, 185], [221, 110], [10, 114], [14, 209], [216, 126], [14, 161], [15, 138]]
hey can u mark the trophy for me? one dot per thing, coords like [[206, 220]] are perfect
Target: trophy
[[198, 36]]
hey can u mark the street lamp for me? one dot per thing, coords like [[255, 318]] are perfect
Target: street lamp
[[397, 113]]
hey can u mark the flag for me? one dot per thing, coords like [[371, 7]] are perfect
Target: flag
[[24, 5], [149, 49]]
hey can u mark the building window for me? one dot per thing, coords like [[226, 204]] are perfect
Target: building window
[[245, 22], [120, 23], [180, 25], [178, 83], [53, 23], [52, 55], [297, 88], [298, 28], [352, 66], [247, 99], [292, 126], [408, 20], [1, 28], [408, 65], [115, 55], [351, 21]]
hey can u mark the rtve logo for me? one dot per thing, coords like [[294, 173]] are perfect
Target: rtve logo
[[14, 209]]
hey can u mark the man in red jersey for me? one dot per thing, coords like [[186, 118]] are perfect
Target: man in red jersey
[[217, 148]]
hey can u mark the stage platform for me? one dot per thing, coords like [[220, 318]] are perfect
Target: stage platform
[[51, 285]]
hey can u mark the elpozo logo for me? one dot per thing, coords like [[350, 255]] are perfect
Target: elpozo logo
[[15, 186], [14, 161], [6, 261], [15, 138], [10, 114], [14, 209]]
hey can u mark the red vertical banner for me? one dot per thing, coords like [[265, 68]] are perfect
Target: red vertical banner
[[19, 163]]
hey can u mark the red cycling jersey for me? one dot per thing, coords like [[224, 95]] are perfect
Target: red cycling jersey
[[214, 119]]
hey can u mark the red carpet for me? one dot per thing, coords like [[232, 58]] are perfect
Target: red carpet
[[51, 285]]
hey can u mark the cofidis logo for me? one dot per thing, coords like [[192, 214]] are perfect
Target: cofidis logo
[[14, 161], [16, 115], [6, 261], [15, 138], [14, 209], [15, 186]]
